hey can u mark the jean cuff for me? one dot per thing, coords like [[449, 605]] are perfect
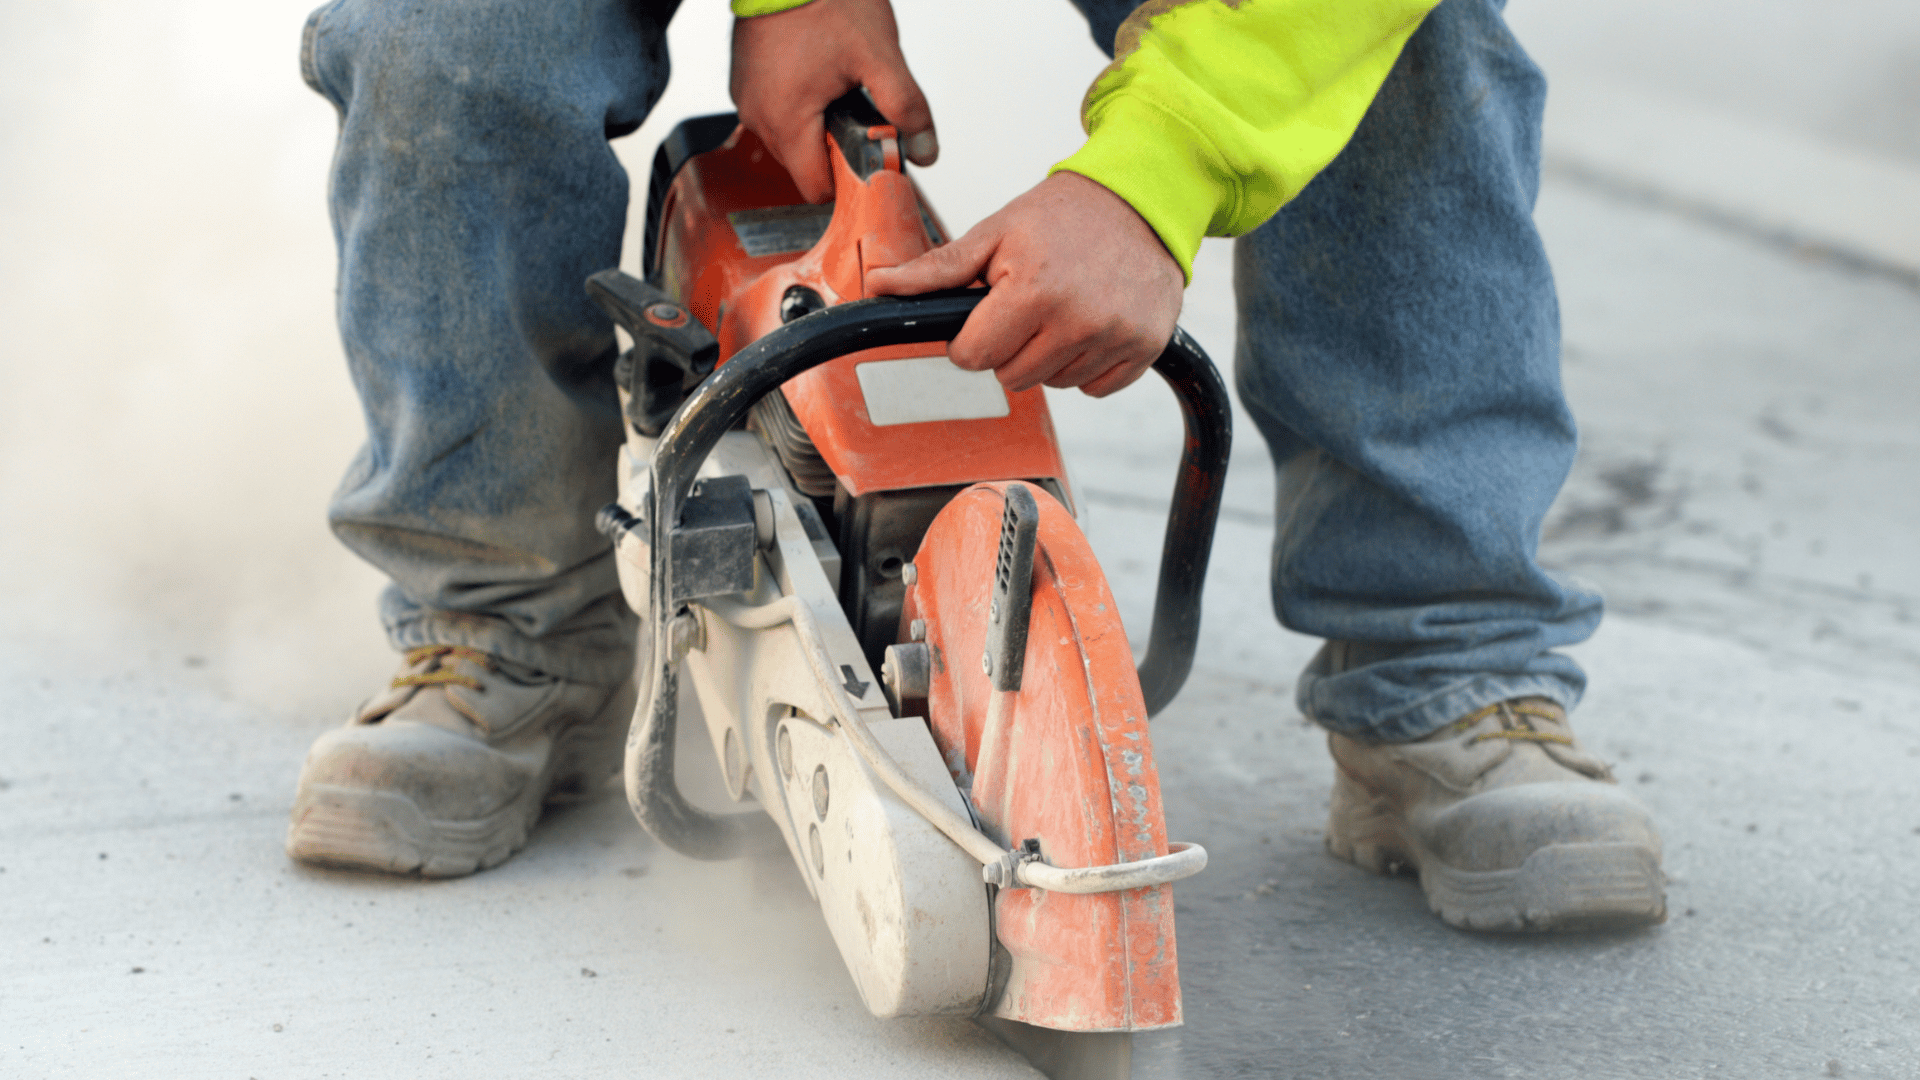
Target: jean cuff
[[602, 658], [1426, 715]]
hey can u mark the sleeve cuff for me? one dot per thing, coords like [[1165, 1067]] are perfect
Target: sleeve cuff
[[747, 9], [1157, 163]]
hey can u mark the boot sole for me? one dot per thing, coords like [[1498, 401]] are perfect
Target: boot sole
[[1559, 888], [356, 829]]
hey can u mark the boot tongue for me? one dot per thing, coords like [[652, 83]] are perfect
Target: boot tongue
[[1512, 742], [1453, 760], [425, 689], [1544, 746], [462, 690], [509, 693]]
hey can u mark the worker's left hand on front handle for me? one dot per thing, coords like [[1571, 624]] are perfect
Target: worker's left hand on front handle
[[1083, 292], [788, 66]]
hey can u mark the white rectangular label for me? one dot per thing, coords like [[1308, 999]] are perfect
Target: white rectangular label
[[922, 389]]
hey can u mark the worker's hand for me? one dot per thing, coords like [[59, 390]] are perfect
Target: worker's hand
[[1084, 294], [788, 66]]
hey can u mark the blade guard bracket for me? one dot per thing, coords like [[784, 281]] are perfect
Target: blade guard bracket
[[713, 543]]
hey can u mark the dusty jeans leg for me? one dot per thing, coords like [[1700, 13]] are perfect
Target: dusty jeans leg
[[473, 191], [1399, 349]]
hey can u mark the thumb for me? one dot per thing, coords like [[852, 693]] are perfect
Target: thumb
[[950, 266], [899, 99]]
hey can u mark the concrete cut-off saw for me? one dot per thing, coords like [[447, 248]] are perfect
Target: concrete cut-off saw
[[811, 493]]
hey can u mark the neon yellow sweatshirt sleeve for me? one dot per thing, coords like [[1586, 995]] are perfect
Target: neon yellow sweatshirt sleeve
[[1215, 113], [747, 9]]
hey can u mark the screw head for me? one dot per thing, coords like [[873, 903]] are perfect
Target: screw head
[[670, 316]]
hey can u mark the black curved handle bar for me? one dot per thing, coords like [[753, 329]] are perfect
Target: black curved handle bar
[[722, 400]]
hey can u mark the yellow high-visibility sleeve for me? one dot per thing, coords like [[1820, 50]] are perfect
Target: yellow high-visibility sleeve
[[747, 9], [1215, 113]]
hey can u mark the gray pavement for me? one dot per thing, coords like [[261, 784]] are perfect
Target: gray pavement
[[1742, 498], [177, 626]]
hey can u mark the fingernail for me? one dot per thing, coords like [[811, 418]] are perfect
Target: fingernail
[[923, 148]]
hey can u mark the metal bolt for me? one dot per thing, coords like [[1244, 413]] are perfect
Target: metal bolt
[[986, 662], [909, 574], [917, 630], [820, 791], [906, 672]]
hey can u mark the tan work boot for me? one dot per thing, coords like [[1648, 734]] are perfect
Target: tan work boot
[[1509, 823], [446, 771]]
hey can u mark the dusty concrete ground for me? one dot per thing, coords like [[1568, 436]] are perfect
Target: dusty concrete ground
[[177, 625]]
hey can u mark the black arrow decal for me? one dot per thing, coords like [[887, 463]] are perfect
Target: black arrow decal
[[854, 686]]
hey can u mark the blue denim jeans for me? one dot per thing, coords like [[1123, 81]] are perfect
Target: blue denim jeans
[[1398, 347]]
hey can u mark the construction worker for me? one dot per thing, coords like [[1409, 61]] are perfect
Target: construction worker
[[1398, 349]]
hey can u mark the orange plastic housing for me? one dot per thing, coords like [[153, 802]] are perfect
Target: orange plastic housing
[[737, 295]]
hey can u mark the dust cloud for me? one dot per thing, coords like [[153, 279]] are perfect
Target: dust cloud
[[174, 411]]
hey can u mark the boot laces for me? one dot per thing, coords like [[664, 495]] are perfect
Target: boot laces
[[441, 672], [1517, 723]]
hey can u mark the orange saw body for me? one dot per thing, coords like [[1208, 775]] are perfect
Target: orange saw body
[[865, 563]]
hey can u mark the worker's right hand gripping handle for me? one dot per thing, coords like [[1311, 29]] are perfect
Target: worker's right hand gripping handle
[[761, 368]]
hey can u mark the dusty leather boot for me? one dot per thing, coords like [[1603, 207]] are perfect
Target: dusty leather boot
[[1510, 824], [446, 771]]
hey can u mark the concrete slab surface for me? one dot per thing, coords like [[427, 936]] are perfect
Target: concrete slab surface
[[176, 626]]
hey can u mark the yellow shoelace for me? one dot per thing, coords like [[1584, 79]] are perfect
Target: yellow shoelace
[[443, 676], [1514, 723]]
